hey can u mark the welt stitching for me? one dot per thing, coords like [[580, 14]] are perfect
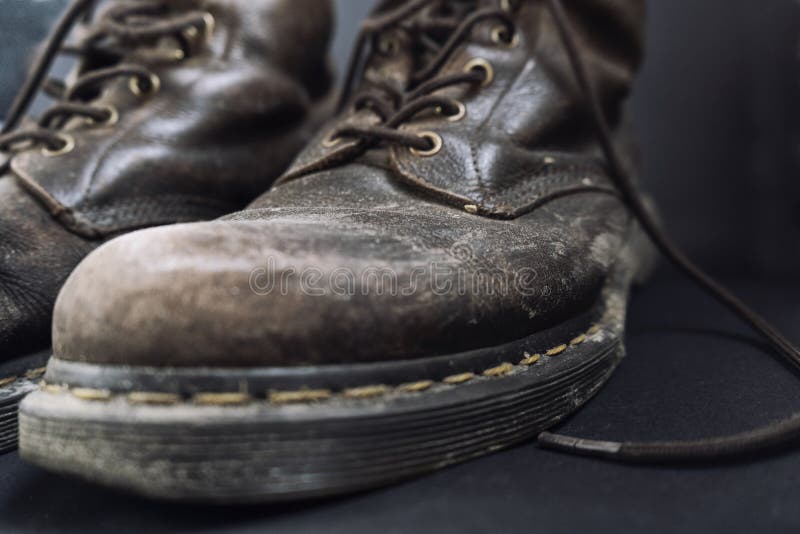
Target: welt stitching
[[30, 374], [311, 396]]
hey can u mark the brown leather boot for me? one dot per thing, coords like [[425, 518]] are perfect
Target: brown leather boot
[[177, 111], [442, 273]]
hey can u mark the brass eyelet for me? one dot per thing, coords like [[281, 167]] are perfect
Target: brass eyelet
[[331, 140], [113, 116], [500, 37], [436, 141], [458, 115], [481, 64], [507, 6], [135, 85], [66, 148], [210, 24], [388, 45]]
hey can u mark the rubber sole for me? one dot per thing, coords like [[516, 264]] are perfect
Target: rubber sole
[[18, 378], [276, 434]]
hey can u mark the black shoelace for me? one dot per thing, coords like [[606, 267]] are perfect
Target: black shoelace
[[393, 108], [761, 440], [126, 25]]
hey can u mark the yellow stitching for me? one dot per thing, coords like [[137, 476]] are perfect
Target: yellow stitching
[[35, 373], [578, 340], [366, 392], [7, 381], [459, 379], [530, 359], [500, 370], [221, 399], [414, 387], [303, 395], [90, 394], [30, 374], [153, 397]]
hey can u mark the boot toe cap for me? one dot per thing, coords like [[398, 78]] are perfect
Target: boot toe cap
[[308, 288]]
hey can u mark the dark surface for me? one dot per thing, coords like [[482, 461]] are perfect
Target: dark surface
[[717, 106], [688, 374]]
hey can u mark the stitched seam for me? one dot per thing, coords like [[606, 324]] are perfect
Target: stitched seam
[[547, 179], [312, 396], [30, 374], [477, 170]]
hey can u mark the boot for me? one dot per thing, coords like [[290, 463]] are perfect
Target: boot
[[442, 273], [176, 111]]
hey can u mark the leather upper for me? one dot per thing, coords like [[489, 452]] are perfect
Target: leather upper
[[526, 135], [228, 118], [517, 191]]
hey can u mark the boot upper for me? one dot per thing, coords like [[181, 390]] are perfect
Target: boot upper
[[522, 134], [219, 99], [499, 223], [228, 92]]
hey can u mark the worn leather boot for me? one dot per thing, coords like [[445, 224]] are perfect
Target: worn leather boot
[[442, 273], [177, 111]]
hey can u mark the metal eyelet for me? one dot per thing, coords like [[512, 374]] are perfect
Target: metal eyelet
[[507, 6], [436, 141], [331, 140], [67, 147], [388, 45], [481, 64], [502, 37], [458, 115], [135, 85], [210, 24], [113, 116]]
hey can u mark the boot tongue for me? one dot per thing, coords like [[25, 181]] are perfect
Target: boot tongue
[[401, 51], [396, 54]]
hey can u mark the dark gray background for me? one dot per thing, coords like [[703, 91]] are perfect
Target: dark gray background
[[717, 108]]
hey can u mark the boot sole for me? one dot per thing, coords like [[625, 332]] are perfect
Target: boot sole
[[239, 436], [18, 378]]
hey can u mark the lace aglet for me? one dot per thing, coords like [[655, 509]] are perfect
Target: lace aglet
[[586, 447]]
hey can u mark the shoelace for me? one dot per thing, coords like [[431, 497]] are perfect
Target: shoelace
[[127, 24], [761, 440], [399, 108]]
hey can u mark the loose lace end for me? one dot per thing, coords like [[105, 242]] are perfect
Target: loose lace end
[[586, 447]]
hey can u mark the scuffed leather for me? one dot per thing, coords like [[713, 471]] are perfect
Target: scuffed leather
[[182, 295], [225, 123], [36, 255], [185, 295]]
